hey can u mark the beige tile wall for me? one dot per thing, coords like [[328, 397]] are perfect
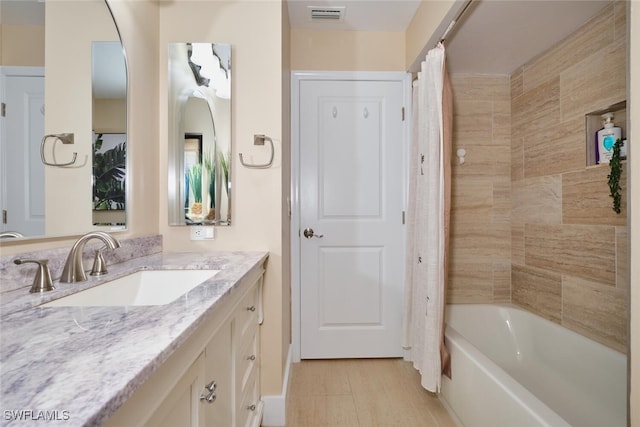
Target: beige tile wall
[[531, 223], [480, 265], [568, 247]]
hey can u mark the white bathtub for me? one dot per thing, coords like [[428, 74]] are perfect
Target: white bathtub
[[513, 368]]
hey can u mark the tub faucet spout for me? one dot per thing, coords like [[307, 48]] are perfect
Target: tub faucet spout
[[74, 268]]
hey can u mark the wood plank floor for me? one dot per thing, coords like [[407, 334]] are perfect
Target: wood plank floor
[[361, 392]]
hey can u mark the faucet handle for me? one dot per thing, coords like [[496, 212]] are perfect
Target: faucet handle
[[42, 281], [99, 265]]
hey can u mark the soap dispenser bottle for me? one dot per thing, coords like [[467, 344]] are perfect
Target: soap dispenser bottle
[[607, 137]]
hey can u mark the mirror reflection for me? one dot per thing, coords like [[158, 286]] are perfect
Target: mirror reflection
[[75, 38], [199, 133], [109, 133]]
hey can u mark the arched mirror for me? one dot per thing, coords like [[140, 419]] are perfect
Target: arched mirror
[[63, 75], [199, 134]]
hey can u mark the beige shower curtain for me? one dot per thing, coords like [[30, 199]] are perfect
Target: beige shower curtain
[[428, 221]]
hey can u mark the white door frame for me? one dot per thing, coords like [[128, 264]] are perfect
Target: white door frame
[[296, 78]]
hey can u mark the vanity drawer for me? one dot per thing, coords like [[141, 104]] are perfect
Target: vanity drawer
[[250, 407], [246, 316], [247, 361]]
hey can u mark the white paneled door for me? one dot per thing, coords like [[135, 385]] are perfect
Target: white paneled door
[[351, 225], [22, 169]]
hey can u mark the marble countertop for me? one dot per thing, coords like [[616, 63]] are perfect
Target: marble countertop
[[76, 366]]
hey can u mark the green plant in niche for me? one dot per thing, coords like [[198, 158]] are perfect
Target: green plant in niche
[[614, 176]]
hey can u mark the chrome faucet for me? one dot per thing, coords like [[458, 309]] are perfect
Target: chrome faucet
[[42, 280], [74, 268]]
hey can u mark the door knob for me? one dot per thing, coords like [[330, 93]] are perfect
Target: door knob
[[309, 233]]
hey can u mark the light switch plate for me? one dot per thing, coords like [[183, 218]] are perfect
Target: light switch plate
[[201, 232]]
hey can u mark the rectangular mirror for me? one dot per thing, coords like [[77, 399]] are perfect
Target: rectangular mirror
[[199, 121]]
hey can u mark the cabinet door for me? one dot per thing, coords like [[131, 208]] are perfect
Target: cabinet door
[[218, 380], [182, 406]]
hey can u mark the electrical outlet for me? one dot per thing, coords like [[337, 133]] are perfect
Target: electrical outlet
[[201, 232]]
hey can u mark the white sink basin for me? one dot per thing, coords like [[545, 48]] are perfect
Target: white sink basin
[[146, 287]]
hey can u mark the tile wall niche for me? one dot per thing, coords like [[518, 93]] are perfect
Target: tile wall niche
[[568, 247]]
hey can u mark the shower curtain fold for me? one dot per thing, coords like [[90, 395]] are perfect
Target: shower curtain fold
[[428, 221]]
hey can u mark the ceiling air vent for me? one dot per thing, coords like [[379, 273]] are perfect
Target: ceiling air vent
[[327, 14]]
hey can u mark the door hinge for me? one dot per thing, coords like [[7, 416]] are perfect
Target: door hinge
[[4, 216], [403, 114], [403, 217], [3, 111]]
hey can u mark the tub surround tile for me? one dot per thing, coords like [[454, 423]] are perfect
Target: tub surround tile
[[481, 206], [473, 122], [480, 242], [517, 158], [470, 282], [482, 161], [622, 258], [589, 85], [555, 149], [591, 37], [517, 243], [595, 311], [620, 19], [537, 291], [502, 202], [586, 199], [502, 164], [501, 122], [517, 83], [501, 282], [478, 86], [21, 276], [537, 110], [472, 201], [579, 250], [538, 200], [89, 360]]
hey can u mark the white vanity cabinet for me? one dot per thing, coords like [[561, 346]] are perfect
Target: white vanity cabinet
[[214, 378]]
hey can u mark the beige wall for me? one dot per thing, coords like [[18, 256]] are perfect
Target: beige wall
[[286, 184], [427, 25], [569, 248], [257, 107], [634, 220], [70, 29], [22, 45], [480, 257], [323, 50]]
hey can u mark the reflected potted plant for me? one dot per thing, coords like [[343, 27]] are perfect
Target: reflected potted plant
[[195, 185], [210, 167]]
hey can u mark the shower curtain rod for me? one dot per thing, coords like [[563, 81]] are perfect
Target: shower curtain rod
[[454, 21]]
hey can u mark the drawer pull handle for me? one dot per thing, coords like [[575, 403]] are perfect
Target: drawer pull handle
[[252, 357], [252, 308], [210, 398], [212, 386], [251, 407]]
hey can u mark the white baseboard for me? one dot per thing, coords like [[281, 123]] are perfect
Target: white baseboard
[[275, 407]]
